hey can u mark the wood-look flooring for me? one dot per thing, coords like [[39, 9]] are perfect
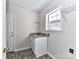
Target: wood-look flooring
[[25, 54]]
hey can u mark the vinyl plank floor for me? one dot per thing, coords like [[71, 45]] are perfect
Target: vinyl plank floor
[[25, 54]]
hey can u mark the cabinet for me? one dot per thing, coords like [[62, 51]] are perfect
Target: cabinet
[[39, 46]]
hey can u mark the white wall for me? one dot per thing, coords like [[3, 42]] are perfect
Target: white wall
[[25, 23], [60, 42]]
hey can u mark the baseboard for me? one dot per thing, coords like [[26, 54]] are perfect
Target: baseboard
[[22, 49], [41, 55], [51, 55]]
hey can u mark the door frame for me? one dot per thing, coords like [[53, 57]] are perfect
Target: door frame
[[4, 28]]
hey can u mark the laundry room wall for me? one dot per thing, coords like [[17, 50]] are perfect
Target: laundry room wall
[[59, 42], [26, 22]]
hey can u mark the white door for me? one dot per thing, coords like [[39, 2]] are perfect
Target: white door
[[11, 32]]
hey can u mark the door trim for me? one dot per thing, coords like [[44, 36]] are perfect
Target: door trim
[[4, 28]]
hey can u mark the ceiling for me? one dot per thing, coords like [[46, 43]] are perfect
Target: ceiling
[[31, 4]]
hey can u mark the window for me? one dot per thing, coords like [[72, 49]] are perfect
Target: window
[[53, 20]]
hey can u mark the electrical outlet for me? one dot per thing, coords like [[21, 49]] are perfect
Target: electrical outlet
[[71, 51]]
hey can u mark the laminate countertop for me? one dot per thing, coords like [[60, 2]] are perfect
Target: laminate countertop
[[38, 35]]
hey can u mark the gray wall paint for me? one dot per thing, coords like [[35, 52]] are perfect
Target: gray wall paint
[[60, 42], [25, 24]]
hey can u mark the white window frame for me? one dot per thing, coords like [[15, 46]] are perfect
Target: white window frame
[[54, 24]]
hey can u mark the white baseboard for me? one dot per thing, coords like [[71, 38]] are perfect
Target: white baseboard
[[41, 55], [51, 55], [22, 49]]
